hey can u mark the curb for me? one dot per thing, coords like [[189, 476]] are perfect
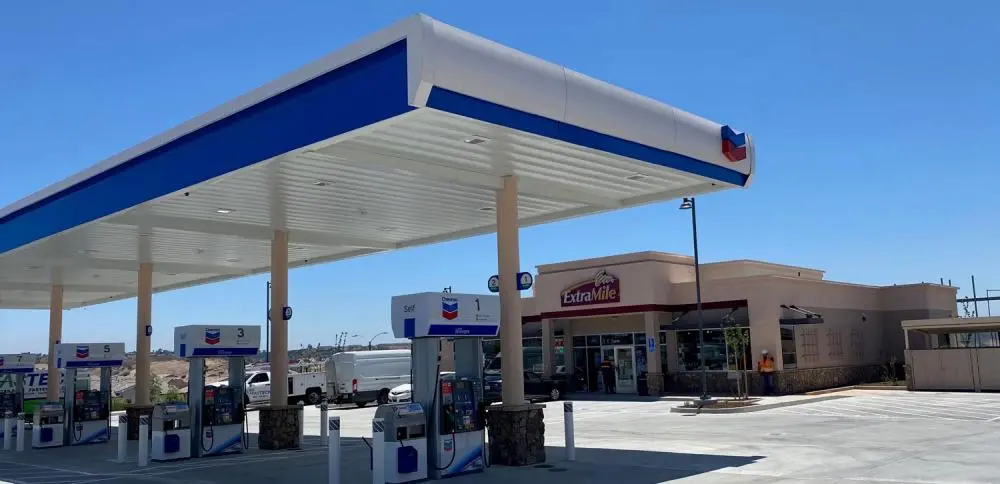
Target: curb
[[755, 408], [857, 387]]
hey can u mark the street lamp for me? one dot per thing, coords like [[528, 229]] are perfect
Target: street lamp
[[689, 204], [373, 339], [267, 332], [988, 291]]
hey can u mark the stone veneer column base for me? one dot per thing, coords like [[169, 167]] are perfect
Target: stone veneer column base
[[132, 414], [516, 435], [654, 382], [279, 428]]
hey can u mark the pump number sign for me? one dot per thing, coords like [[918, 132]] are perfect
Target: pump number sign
[[435, 314], [17, 363]]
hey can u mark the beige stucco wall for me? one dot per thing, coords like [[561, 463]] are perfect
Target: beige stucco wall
[[866, 318]]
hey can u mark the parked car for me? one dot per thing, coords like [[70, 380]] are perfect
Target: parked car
[[535, 386], [404, 392]]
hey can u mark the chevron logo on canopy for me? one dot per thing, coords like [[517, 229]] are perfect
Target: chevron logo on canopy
[[449, 308], [82, 351], [734, 146]]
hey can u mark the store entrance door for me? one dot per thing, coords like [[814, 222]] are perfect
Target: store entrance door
[[625, 369]]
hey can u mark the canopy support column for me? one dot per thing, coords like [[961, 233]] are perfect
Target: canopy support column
[[55, 335], [516, 428], [508, 256], [143, 320], [280, 423], [279, 327]]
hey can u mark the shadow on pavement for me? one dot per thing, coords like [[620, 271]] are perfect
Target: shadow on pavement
[[95, 463]]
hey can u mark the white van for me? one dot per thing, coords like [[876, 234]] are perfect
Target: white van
[[366, 376]]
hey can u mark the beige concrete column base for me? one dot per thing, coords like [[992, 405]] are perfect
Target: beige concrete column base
[[516, 435], [279, 428], [132, 414]]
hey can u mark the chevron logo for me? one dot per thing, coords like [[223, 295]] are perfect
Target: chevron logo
[[734, 146]]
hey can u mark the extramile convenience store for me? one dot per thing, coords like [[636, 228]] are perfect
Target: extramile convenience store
[[639, 311]]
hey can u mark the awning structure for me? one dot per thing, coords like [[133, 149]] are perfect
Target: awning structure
[[398, 140], [952, 325], [792, 315]]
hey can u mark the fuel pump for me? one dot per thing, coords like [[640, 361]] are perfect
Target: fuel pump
[[87, 411], [223, 417], [218, 412], [455, 411], [12, 369], [171, 433]]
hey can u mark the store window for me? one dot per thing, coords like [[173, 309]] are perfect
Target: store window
[[532, 353], [664, 353], [789, 357], [715, 350]]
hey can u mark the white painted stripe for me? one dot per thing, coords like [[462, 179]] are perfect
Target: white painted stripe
[[925, 415], [943, 408]]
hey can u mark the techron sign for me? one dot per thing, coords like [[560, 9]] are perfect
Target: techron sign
[[603, 288]]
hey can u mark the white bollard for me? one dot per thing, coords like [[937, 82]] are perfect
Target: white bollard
[[333, 455], [8, 431], [324, 411], [122, 438], [143, 441], [302, 421], [378, 448], [568, 419], [19, 435]]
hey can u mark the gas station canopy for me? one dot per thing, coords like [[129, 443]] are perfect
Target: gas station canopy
[[398, 140]]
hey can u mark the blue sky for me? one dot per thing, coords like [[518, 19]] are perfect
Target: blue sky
[[873, 122]]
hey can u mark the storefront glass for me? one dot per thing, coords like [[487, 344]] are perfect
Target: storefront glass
[[718, 355], [532, 353], [628, 357]]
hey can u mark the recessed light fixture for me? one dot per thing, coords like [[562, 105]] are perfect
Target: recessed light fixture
[[321, 183], [476, 140], [223, 211], [34, 268], [171, 273], [386, 229], [487, 209], [636, 177], [232, 259], [86, 251]]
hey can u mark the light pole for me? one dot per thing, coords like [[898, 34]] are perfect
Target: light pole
[[373, 339], [267, 332], [689, 204], [988, 291]]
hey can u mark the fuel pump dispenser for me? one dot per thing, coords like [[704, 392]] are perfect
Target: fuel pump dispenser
[[13, 367], [218, 413], [48, 425], [171, 431], [88, 412], [456, 424], [405, 442]]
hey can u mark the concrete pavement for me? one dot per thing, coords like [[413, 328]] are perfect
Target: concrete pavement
[[893, 437]]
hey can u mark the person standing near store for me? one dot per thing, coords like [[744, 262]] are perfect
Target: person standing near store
[[766, 369], [608, 374]]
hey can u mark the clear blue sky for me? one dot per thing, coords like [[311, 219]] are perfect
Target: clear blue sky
[[875, 124]]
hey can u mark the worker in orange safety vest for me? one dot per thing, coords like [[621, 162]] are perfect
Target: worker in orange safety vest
[[766, 369]]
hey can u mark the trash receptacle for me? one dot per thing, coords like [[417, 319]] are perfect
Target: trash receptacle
[[643, 383]]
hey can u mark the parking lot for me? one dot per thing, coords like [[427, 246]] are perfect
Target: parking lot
[[893, 437]]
